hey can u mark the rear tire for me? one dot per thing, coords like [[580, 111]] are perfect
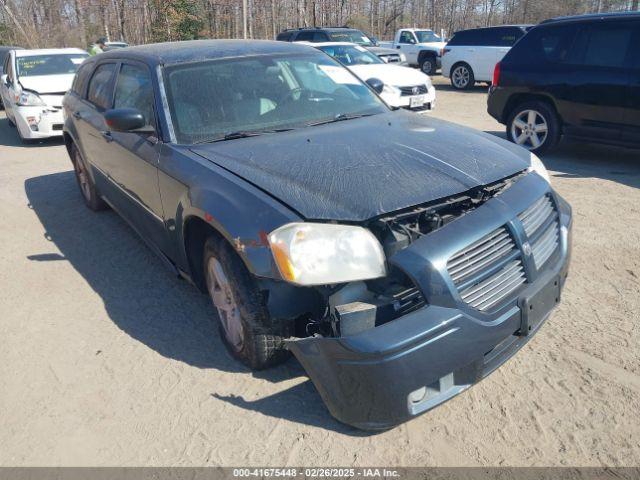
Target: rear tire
[[428, 66], [88, 189], [462, 77], [535, 126], [246, 328]]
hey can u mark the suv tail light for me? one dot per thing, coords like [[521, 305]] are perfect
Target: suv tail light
[[496, 75]]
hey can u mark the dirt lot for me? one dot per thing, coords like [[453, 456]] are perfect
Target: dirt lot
[[109, 360]]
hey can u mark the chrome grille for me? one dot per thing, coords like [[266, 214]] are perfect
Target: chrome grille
[[488, 271], [540, 222], [407, 91]]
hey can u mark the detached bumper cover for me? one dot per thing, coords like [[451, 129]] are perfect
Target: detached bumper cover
[[39, 122], [442, 349]]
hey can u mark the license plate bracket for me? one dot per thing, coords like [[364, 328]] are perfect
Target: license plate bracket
[[417, 101], [536, 306]]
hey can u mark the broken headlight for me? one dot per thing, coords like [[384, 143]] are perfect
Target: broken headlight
[[320, 253], [28, 99]]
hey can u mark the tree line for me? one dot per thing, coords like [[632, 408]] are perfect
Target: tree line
[[78, 23]]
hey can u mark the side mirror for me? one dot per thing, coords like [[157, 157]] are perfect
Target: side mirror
[[127, 120], [376, 84]]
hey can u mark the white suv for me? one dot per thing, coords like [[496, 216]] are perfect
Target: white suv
[[471, 55], [32, 86]]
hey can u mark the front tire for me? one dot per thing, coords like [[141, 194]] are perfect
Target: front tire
[[535, 126], [428, 66], [462, 77], [87, 188], [246, 328]]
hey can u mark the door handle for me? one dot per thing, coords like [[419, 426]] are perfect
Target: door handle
[[77, 115], [398, 47], [107, 136]]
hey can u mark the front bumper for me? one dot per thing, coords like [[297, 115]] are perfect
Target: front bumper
[[442, 349], [39, 122], [428, 100]]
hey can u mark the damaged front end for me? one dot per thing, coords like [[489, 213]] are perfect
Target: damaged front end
[[449, 310]]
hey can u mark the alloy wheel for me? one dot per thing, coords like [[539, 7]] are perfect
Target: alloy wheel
[[460, 77], [529, 129], [83, 179], [427, 67], [225, 303]]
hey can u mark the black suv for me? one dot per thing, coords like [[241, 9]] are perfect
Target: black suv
[[575, 76], [341, 34]]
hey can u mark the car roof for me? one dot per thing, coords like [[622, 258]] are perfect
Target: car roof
[[593, 17], [331, 44], [49, 51], [514, 25], [201, 50]]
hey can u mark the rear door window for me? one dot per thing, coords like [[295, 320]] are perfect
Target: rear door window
[[502, 37], [305, 37], [284, 36], [100, 85], [602, 45], [134, 90]]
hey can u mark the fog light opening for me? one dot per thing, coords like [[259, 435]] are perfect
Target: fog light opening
[[418, 395]]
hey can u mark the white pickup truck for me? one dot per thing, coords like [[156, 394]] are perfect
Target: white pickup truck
[[422, 47]]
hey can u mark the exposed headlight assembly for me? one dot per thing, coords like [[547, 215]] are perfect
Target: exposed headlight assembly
[[391, 90], [28, 99], [538, 167], [322, 253]]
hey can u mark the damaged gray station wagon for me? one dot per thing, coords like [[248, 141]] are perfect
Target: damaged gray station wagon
[[399, 257]]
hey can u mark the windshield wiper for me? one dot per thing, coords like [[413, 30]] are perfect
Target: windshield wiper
[[243, 134], [341, 117]]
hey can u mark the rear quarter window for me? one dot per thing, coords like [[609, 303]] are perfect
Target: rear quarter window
[[502, 37], [543, 45], [602, 45]]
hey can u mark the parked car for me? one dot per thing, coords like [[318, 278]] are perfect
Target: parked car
[[574, 76], [399, 257], [401, 87], [4, 52], [342, 34], [32, 87], [471, 55], [111, 45], [422, 47]]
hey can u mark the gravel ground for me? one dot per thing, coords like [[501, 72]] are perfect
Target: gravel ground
[[109, 360]]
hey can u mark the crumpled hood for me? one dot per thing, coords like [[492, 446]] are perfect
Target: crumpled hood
[[358, 169], [47, 83], [391, 74]]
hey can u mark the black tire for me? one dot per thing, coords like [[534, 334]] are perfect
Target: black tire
[[88, 189], [428, 65], [262, 336], [546, 114], [468, 78]]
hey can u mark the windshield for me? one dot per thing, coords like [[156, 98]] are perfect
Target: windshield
[[57, 64], [351, 54], [351, 36], [426, 36], [211, 100]]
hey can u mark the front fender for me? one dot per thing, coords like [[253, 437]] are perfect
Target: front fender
[[192, 187]]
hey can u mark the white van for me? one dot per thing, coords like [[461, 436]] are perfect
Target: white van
[[471, 55]]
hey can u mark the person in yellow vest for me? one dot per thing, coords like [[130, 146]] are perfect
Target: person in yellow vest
[[98, 47]]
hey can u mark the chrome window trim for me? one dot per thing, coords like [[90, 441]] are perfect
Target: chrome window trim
[[165, 105]]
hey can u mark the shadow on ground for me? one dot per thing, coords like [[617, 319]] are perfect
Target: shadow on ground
[[150, 304], [572, 159]]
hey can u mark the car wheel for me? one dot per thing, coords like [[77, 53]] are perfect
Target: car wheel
[[87, 188], [534, 126], [246, 328], [462, 77], [428, 66]]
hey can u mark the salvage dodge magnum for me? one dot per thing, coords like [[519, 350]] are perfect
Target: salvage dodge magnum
[[399, 257]]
